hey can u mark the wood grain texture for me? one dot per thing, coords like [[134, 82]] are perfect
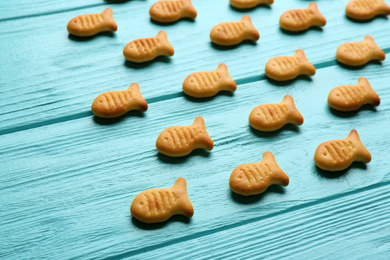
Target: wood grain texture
[[68, 178], [48, 76]]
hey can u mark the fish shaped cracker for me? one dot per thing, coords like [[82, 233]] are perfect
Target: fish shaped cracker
[[117, 103], [158, 205], [271, 117], [364, 10], [171, 11], [179, 141], [338, 155], [209, 83], [289, 67], [350, 98], [359, 53], [255, 178], [245, 4], [232, 33], [91, 24], [142, 50], [302, 19]]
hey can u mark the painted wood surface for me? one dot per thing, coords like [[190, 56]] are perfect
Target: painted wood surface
[[68, 178]]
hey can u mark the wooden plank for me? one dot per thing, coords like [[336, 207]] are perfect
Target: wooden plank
[[26, 9], [352, 226], [23, 9], [60, 77], [67, 188], [68, 178]]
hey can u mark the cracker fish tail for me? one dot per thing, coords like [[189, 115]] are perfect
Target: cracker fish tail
[[278, 176], [203, 140], [319, 19], [189, 10], [362, 154], [110, 23], [229, 84], [141, 104], [166, 46], [306, 67], [251, 32], [377, 53], [185, 206], [372, 95], [295, 116]]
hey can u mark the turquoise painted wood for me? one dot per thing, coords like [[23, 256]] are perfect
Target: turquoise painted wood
[[68, 178]]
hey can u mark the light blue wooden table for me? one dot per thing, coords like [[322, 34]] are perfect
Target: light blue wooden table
[[67, 178]]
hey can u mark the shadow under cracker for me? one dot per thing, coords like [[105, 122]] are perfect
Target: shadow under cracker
[[177, 160], [226, 48], [119, 1], [348, 67], [367, 21], [256, 198], [290, 81], [116, 120], [142, 65], [366, 107], [89, 38], [338, 174], [244, 10], [187, 19], [311, 28], [202, 100], [287, 127], [155, 226]]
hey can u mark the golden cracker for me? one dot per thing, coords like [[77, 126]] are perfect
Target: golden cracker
[[302, 19], [364, 10], [359, 53], [179, 141], [284, 68], [171, 11], [91, 24], [232, 33], [338, 155], [158, 205], [271, 117], [142, 50], [255, 178], [209, 83], [117, 103], [350, 98]]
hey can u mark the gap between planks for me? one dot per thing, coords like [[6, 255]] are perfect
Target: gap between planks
[[241, 81], [246, 222], [58, 11], [49, 13]]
